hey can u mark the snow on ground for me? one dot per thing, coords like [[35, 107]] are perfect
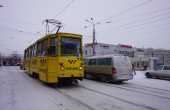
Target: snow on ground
[[19, 91]]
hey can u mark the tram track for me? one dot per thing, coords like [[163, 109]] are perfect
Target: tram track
[[67, 96], [98, 92], [137, 87], [74, 99]]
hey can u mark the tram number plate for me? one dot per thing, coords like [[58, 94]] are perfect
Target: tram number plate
[[71, 68]]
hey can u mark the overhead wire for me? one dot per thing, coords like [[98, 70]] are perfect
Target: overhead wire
[[136, 26], [153, 38], [19, 22], [139, 29], [14, 32], [56, 16], [17, 30], [136, 34], [153, 12], [63, 9], [14, 38], [140, 33], [126, 10], [53, 18], [121, 12], [156, 43], [135, 22], [148, 39]]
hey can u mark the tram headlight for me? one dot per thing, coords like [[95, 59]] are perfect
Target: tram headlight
[[80, 68], [62, 68]]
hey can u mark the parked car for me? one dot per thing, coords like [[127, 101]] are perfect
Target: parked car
[[162, 71]]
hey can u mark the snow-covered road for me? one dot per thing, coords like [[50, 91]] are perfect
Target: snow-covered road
[[19, 91]]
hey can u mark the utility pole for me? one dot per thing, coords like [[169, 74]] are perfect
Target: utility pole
[[94, 37], [93, 34]]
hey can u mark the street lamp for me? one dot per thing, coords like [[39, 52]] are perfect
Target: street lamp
[[94, 32]]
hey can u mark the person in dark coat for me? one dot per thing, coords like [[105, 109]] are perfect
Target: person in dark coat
[[145, 67], [133, 68]]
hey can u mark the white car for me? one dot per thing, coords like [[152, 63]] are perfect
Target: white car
[[162, 71]]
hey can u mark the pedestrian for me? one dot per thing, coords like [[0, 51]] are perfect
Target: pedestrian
[[145, 67], [133, 68]]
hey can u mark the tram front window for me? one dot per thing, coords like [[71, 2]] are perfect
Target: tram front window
[[70, 47]]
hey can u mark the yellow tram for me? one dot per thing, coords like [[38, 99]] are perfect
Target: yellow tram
[[56, 58]]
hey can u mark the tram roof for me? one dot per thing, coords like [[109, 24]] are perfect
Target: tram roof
[[49, 35]]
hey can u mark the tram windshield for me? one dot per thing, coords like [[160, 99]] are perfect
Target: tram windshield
[[71, 47]]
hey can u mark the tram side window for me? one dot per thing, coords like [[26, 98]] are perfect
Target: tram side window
[[26, 53], [30, 52], [35, 49], [53, 46], [44, 48], [39, 49]]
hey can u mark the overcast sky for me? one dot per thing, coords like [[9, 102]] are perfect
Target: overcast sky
[[139, 23]]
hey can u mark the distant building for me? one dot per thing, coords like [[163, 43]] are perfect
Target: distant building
[[163, 55], [137, 54], [105, 49], [11, 59]]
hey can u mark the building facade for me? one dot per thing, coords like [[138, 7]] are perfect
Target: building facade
[[138, 55], [163, 55], [11, 59], [105, 49]]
